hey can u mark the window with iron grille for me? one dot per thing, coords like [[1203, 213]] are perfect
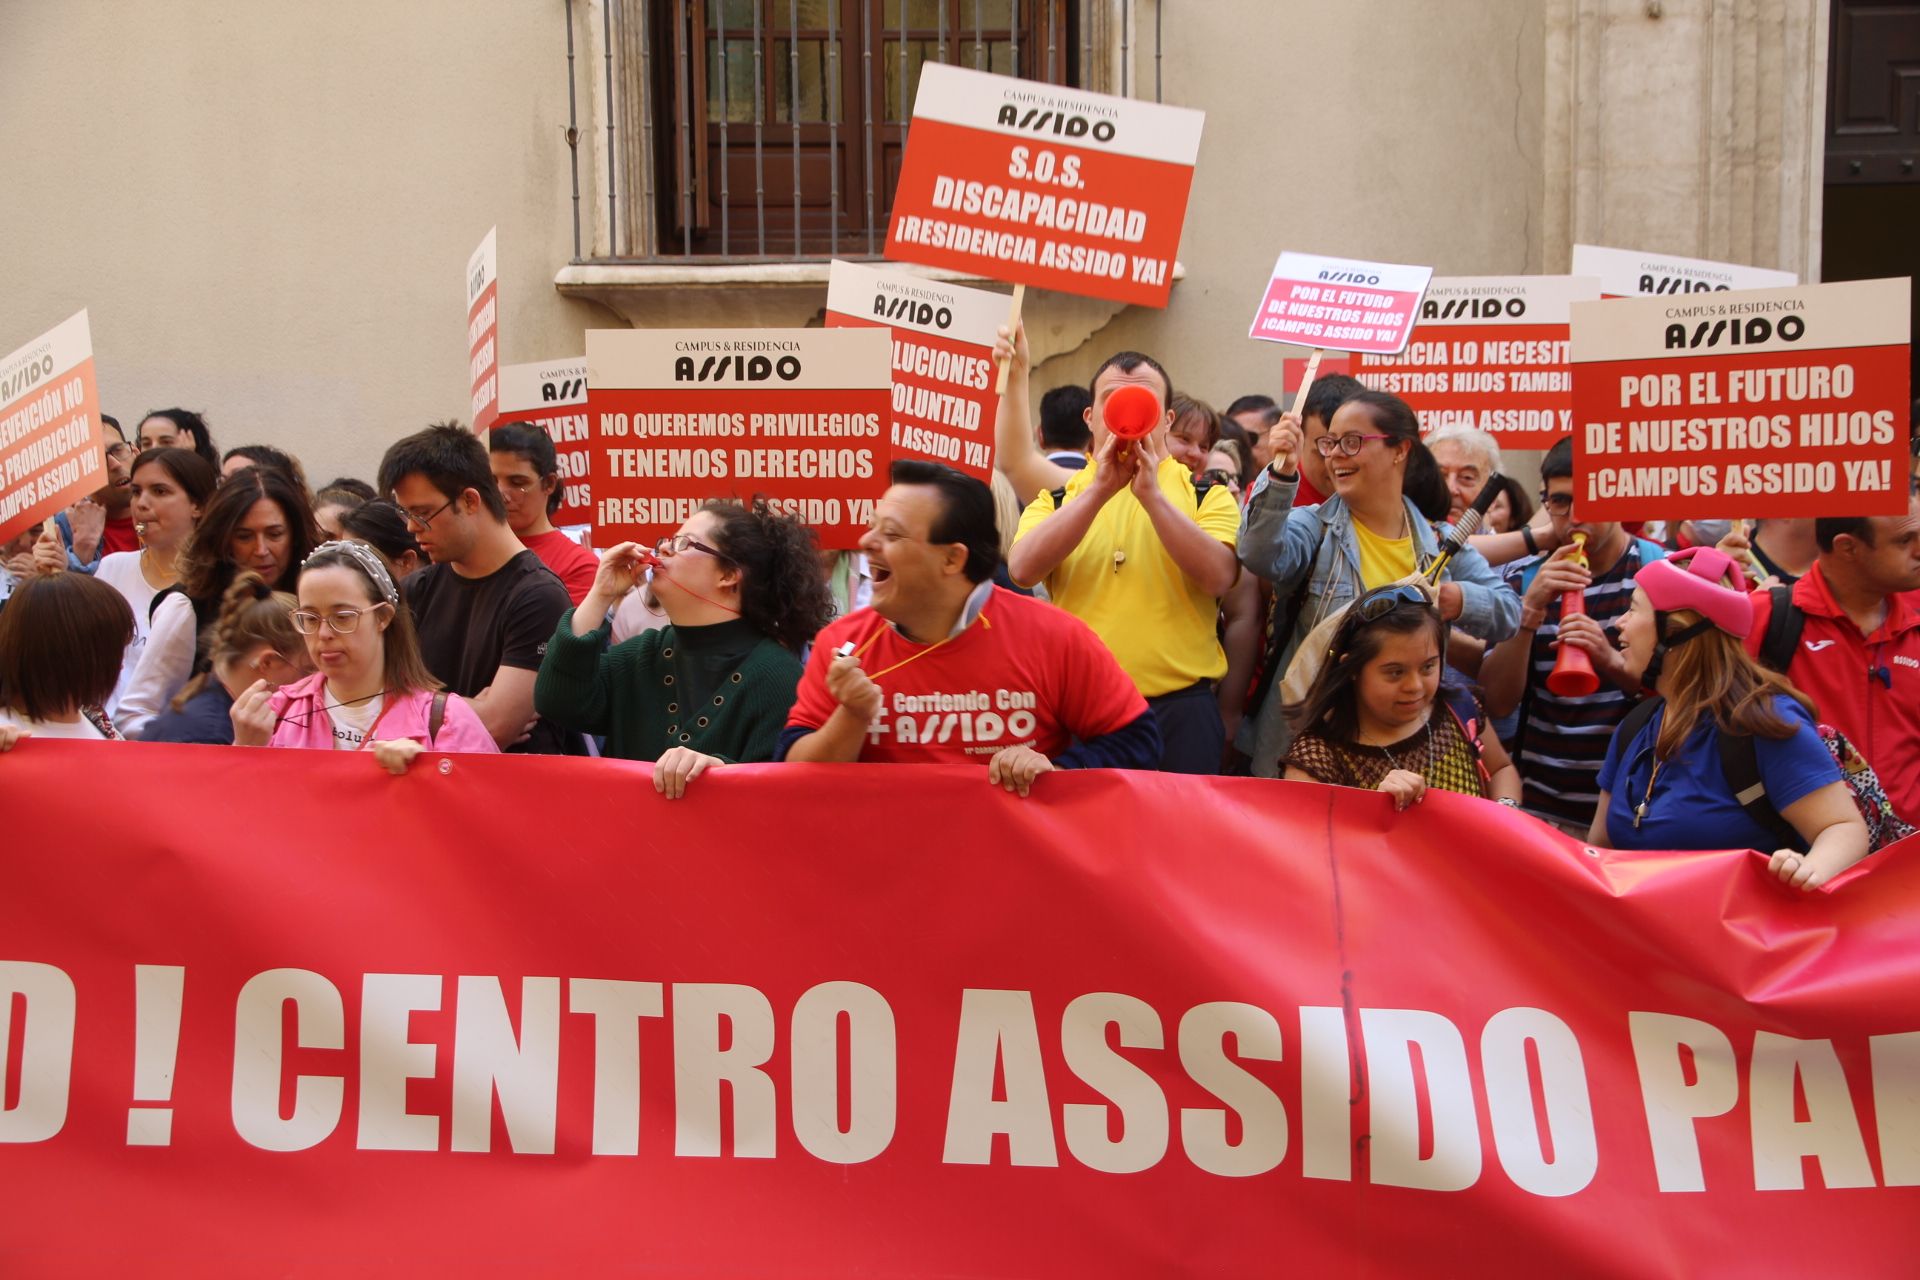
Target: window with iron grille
[[781, 124]]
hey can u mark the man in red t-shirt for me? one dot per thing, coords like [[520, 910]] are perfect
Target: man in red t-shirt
[[1857, 654], [527, 470], [945, 666]]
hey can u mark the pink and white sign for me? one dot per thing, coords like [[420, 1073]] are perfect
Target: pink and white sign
[[1341, 304]]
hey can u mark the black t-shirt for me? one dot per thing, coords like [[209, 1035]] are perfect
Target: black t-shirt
[[471, 627]]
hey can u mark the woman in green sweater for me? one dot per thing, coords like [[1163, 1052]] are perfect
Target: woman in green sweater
[[742, 591]]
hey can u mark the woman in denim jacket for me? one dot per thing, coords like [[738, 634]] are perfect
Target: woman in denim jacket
[[1375, 529]]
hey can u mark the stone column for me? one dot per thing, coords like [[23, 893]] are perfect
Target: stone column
[[1691, 127]]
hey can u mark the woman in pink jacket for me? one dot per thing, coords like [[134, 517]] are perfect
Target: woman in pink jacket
[[372, 691]]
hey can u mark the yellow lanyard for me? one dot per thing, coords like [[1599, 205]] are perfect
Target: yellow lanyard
[[875, 675]]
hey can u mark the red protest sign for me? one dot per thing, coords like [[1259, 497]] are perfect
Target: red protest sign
[[50, 437], [483, 333], [943, 372], [1631, 273], [1046, 1015], [1044, 185], [1294, 370], [1340, 304], [1489, 352], [1766, 403], [553, 397], [683, 416]]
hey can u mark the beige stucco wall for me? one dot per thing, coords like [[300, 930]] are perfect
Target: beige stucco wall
[[268, 208]]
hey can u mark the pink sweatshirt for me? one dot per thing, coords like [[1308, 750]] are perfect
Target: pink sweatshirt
[[304, 721]]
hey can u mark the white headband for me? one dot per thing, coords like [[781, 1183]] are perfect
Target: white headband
[[366, 560]]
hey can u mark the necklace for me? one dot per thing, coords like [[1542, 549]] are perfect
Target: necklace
[[878, 631], [1646, 798], [1394, 760]]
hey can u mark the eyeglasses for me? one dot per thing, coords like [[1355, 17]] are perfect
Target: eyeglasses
[[1558, 503], [683, 542], [119, 451], [1349, 444], [342, 622], [425, 522]]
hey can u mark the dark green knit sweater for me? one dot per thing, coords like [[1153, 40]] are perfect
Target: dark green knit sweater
[[723, 690]]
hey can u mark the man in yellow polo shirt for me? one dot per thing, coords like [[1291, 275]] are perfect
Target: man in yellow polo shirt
[[1133, 550]]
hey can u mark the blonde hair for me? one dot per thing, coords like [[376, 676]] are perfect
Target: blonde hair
[[1712, 675], [251, 614]]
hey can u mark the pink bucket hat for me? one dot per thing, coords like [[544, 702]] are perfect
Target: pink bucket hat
[[1693, 579]]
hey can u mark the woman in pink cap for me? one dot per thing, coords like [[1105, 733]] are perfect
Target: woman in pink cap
[[1663, 785]]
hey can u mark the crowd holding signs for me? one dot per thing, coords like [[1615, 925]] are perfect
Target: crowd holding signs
[[822, 546]]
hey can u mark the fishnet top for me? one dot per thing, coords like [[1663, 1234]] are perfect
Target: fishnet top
[[1446, 759]]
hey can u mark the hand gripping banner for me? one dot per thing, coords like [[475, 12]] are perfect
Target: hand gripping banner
[[275, 1011]]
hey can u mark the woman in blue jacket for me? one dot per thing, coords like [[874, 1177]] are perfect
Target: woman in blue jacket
[[1378, 527]]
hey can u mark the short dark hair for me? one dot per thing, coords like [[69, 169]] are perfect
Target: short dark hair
[[535, 448], [62, 640], [1330, 708], [1326, 395], [966, 512], [265, 455], [451, 458], [1517, 500], [1127, 362], [1558, 463], [1253, 404], [380, 525], [114, 422], [195, 426], [347, 484], [195, 476], [1063, 418], [1826, 530]]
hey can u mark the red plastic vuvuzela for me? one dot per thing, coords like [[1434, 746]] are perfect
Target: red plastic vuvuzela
[[1131, 411]]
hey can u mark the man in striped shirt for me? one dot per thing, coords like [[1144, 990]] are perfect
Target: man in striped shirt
[[1562, 741]]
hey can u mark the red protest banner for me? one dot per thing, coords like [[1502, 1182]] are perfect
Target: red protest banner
[[553, 396], [1489, 352], [684, 416], [50, 437], [1141, 1024], [943, 373], [1631, 273], [483, 332], [1765, 403], [1045, 185], [1340, 304]]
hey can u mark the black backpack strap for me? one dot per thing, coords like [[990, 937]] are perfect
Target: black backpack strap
[[1059, 497], [436, 716], [153, 605], [1740, 766], [1634, 721], [1784, 626]]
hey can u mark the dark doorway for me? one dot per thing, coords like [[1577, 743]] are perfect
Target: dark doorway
[[1871, 221]]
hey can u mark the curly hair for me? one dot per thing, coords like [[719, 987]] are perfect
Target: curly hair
[[782, 593]]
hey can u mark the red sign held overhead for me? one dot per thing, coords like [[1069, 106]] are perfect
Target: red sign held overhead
[[1766, 403], [483, 333], [1041, 184], [1489, 352], [1340, 304], [683, 416], [553, 396], [943, 373], [50, 435]]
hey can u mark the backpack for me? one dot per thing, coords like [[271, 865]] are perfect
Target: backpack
[[1784, 626], [1740, 766]]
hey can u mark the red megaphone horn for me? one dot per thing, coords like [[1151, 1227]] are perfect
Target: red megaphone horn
[[1573, 675], [1131, 412]]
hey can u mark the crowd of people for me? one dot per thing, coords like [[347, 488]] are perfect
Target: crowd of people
[[1248, 592]]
